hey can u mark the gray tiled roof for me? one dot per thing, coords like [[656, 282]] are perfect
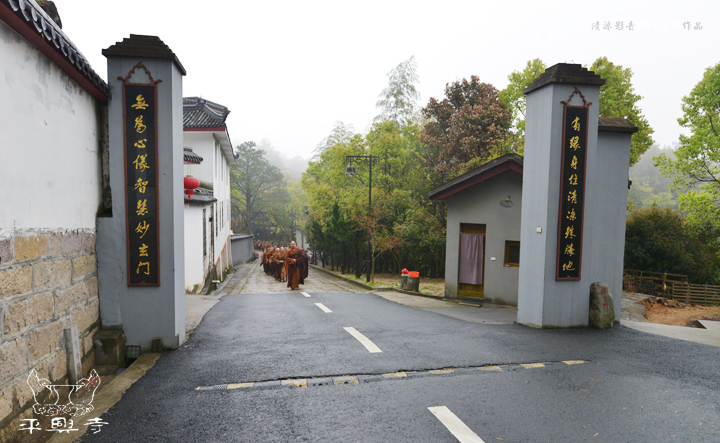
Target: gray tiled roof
[[199, 200], [190, 157], [201, 113], [469, 177], [38, 19], [616, 124]]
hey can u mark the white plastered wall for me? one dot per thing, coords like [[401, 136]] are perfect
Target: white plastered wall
[[194, 261], [214, 169], [49, 148]]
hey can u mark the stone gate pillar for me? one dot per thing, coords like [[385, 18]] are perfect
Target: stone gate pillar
[[141, 243], [560, 198]]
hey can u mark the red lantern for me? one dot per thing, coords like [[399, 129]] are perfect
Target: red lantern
[[190, 184]]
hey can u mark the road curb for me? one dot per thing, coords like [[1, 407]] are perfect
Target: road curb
[[402, 291], [371, 288], [110, 395], [221, 291]]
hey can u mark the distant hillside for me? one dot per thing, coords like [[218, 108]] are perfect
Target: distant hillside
[[649, 186], [294, 166]]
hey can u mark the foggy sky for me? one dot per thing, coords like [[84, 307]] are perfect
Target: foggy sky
[[289, 70]]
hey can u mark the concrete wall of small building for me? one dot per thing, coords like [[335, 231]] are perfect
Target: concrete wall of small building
[[480, 204], [50, 155], [606, 218]]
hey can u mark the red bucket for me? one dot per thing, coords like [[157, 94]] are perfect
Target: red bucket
[[414, 274]]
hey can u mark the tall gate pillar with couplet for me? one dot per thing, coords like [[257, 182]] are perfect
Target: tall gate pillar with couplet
[[141, 262], [574, 200]]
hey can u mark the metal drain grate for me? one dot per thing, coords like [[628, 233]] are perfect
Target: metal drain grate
[[312, 382]]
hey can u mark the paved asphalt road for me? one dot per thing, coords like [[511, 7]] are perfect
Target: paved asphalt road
[[632, 386]]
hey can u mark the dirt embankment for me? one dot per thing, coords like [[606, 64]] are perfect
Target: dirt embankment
[[670, 312]]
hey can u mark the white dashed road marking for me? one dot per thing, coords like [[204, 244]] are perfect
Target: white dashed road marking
[[323, 307], [305, 294], [370, 346], [455, 425]]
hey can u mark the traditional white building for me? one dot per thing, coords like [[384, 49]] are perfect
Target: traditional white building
[[207, 212]]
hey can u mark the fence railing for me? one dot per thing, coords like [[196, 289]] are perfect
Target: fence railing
[[658, 276], [696, 294], [651, 283]]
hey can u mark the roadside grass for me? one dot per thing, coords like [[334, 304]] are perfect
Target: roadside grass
[[431, 286]]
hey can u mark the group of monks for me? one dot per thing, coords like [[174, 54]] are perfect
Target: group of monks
[[285, 264]]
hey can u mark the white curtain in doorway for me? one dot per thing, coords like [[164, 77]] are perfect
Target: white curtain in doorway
[[471, 259]]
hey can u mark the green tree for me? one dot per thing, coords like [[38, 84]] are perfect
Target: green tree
[[618, 99], [400, 182], [399, 100], [661, 240], [423, 242], [341, 133], [252, 181], [696, 167], [317, 239], [466, 125], [513, 99]]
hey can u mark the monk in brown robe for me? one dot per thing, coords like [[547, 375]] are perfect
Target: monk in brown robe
[[278, 263], [297, 262], [283, 265], [271, 265]]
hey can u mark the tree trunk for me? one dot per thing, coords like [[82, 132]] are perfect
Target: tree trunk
[[358, 266]]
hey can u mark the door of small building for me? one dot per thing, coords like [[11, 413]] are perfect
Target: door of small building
[[471, 261]]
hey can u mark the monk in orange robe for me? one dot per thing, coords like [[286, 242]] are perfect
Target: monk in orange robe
[[297, 262], [266, 260]]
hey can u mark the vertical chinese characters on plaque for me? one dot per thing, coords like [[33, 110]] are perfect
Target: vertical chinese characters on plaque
[[141, 169], [572, 190]]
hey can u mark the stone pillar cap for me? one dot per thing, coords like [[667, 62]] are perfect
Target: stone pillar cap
[[565, 73], [143, 46]]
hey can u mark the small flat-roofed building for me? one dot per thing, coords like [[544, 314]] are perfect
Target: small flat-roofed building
[[484, 215], [483, 230]]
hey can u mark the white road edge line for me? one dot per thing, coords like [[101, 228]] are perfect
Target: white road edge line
[[370, 346], [455, 425], [323, 307], [305, 294]]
